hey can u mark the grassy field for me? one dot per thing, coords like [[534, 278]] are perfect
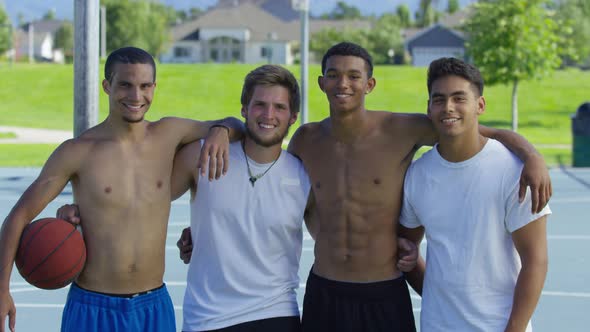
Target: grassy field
[[41, 96]]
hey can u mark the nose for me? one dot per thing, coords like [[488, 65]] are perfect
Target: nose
[[134, 93]]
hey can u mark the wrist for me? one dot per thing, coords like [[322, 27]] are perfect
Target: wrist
[[220, 125]]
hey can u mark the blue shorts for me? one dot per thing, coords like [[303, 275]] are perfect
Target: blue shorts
[[93, 312]]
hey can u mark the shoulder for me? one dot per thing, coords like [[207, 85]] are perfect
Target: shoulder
[[305, 136]]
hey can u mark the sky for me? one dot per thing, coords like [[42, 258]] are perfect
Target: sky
[[64, 9]]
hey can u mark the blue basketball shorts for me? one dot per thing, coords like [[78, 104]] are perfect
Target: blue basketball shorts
[[93, 312]]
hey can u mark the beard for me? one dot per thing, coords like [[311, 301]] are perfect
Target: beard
[[277, 139], [132, 120]]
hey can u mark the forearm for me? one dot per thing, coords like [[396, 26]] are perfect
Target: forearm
[[9, 240], [513, 141], [416, 277], [526, 295]]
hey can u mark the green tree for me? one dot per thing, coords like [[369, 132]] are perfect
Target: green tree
[[342, 11], [513, 40], [50, 15], [140, 23], [5, 31], [576, 13], [403, 13], [64, 39], [426, 15], [452, 6]]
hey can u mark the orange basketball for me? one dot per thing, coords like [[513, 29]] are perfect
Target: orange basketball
[[51, 253]]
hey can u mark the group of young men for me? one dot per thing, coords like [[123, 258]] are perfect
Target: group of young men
[[344, 176]]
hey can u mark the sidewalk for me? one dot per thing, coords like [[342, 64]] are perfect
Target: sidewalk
[[34, 135]]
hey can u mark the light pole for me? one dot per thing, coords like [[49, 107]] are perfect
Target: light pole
[[303, 7]]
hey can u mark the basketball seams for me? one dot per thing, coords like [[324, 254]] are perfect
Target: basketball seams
[[25, 246], [56, 248], [74, 267]]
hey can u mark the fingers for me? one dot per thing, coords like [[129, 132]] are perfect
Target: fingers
[[11, 320], [70, 213], [522, 190]]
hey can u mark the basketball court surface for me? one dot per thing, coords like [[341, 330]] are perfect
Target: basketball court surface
[[564, 304]]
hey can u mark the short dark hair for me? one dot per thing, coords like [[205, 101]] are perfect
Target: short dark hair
[[349, 49], [127, 55], [271, 75], [443, 67]]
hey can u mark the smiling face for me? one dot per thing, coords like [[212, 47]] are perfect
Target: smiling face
[[130, 90], [454, 107], [268, 115], [346, 82]]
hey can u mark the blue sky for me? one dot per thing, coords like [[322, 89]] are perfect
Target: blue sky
[[35, 9]]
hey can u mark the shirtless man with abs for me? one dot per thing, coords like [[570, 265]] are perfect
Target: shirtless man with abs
[[357, 160]]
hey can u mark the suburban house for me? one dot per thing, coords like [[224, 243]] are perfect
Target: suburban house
[[42, 36], [247, 31], [442, 39]]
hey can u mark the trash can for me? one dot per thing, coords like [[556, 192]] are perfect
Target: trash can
[[581, 132]]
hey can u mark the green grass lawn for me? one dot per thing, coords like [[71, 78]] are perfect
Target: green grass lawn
[[41, 96]]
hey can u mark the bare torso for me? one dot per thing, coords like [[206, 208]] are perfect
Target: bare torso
[[358, 188], [123, 191]]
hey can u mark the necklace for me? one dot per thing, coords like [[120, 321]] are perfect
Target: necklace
[[254, 178]]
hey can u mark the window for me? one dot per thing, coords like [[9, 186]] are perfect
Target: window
[[182, 52]]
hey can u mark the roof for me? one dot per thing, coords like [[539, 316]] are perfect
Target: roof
[[281, 9], [436, 36], [45, 26], [258, 22]]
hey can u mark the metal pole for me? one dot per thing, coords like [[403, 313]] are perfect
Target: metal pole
[[86, 36], [31, 34], [103, 32], [304, 58]]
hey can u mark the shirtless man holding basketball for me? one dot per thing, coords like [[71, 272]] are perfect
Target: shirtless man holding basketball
[[356, 160], [120, 174]]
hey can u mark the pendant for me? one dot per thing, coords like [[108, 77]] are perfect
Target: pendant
[[253, 180]]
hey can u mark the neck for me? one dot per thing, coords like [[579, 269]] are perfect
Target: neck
[[261, 154], [348, 127], [457, 149], [127, 130]]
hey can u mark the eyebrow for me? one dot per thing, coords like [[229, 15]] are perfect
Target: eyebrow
[[454, 93]]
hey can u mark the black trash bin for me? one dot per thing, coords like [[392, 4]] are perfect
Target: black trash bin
[[581, 132]]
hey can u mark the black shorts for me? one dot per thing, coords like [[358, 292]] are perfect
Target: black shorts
[[275, 324], [337, 306]]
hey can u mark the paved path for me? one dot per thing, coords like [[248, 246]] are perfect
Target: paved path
[[34, 135]]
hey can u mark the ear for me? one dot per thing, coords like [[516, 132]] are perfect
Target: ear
[[371, 83], [244, 111], [481, 105], [321, 82], [106, 86], [293, 118], [428, 109]]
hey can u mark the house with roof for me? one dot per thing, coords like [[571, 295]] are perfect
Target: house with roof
[[41, 36], [443, 39], [251, 31]]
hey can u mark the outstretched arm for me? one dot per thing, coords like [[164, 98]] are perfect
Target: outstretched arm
[[534, 173], [531, 243]]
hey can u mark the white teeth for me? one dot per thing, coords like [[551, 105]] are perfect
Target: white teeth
[[450, 120], [340, 95], [266, 126], [133, 106]]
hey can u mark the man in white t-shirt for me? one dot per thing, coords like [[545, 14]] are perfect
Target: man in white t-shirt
[[486, 257]]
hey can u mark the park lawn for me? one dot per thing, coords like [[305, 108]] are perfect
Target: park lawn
[[41, 96], [25, 155]]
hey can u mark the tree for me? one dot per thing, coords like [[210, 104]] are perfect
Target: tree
[[426, 15], [64, 39], [141, 23], [342, 11], [452, 6], [403, 14], [513, 40], [576, 13], [50, 15], [5, 31]]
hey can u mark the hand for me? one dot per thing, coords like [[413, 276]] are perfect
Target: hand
[[7, 308], [535, 175], [70, 213], [407, 253], [185, 245], [215, 153]]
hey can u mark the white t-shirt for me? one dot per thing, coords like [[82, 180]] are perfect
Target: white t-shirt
[[246, 244], [469, 210]]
